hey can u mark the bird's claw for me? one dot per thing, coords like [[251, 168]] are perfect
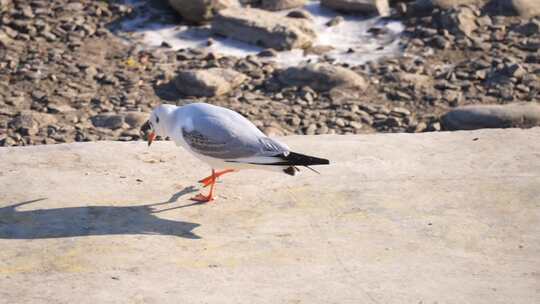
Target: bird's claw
[[202, 198]]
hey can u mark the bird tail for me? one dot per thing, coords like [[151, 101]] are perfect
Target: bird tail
[[296, 159], [288, 159]]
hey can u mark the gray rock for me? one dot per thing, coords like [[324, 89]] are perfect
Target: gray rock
[[459, 21], [392, 122], [434, 126], [200, 10], [268, 53], [400, 112], [74, 6], [417, 80], [514, 70], [264, 28], [379, 7], [335, 21], [49, 36], [355, 125], [278, 5], [25, 124], [524, 8], [322, 77], [318, 49], [484, 21], [529, 28], [447, 4], [311, 129], [108, 121], [300, 14], [8, 141], [135, 119], [440, 42], [210, 82], [59, 108], [274, 131], [420, 127], [523, 115]]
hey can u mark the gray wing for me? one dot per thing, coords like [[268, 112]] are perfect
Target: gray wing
[[219, 137]]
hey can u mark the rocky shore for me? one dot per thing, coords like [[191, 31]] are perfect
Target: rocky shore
[[66, 75]]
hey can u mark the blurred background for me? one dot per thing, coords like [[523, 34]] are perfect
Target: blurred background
[[93, 70]]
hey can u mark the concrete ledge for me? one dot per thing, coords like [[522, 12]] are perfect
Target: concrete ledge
[[398, 218]]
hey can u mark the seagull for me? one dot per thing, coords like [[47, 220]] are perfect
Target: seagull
[[225, 140]]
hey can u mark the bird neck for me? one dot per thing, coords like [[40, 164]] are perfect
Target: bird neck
[[166, 115]]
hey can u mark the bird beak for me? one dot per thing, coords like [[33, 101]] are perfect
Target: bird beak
[[151, 137]]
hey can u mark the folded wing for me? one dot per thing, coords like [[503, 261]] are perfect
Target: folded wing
[[228, 139]]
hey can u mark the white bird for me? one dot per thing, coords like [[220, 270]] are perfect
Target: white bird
[[225, 140]]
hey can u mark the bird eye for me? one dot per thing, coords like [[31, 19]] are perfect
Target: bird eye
[[157, 119], [146, 126]]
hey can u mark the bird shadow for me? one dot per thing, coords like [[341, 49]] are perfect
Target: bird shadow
[[92, 220]]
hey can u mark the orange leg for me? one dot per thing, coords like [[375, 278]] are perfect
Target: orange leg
[[210, 181], [207, 181], [210, 197]]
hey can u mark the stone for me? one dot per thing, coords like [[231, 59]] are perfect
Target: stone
[[318, 49], [335, 21], [514, 70], [530, 28], [56, 108], [74, 6], [440, 42], [392, 122], [417, 80], [263, 28], [48, 35], [484, 21], [434, 126], [300, 14], [447, 4], [273, 131], [209, 82], [379, 7], [268, 53], [524, 8], [5, 38], [4, 5], [322, 77], [108, 121], [7, 141], [355, 125], [135, 119], [279, 5], [25, 124], [459, 21], [521, 115], [199, 11], [400, 112], [420, 127]]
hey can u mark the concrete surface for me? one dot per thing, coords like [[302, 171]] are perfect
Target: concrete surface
[[429, 218]]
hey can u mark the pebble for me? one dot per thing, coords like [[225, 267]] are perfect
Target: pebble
[[335, 21], [62, 60], [109, 121]]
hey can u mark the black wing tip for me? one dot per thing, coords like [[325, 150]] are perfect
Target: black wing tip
[[297, 159], [324, 161]]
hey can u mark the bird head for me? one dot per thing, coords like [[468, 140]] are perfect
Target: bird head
[[157, 123]]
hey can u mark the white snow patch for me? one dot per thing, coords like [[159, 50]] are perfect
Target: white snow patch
[[352, 42]]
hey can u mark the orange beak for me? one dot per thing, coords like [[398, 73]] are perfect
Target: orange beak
[[151, 137]]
